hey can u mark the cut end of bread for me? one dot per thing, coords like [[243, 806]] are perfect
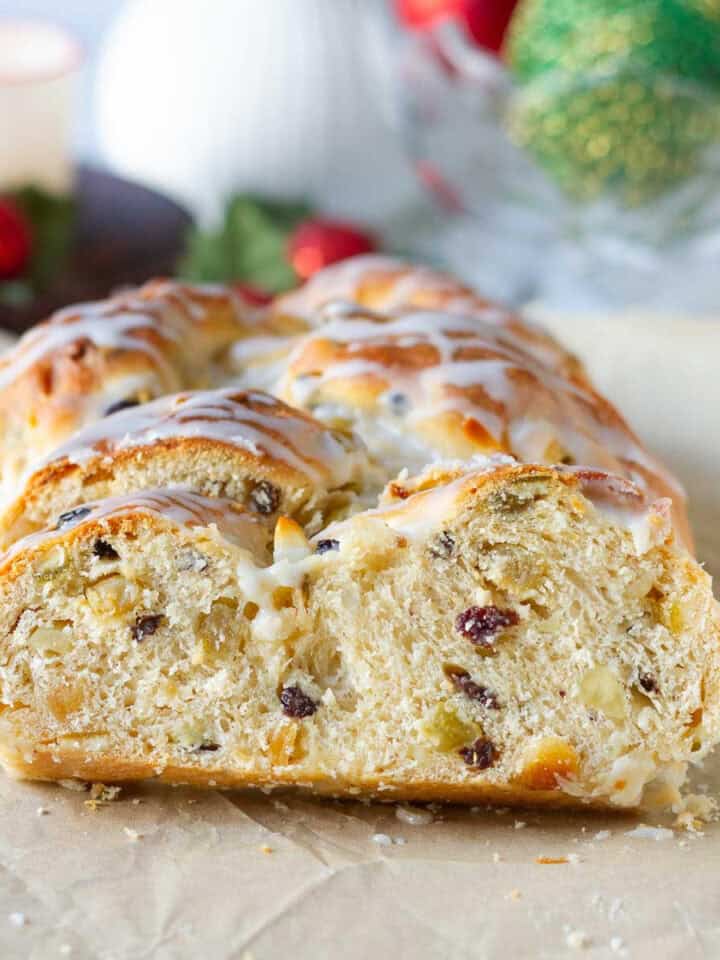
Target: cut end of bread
[[202, 586], [505, 633]]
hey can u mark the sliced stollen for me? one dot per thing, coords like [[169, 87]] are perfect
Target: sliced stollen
[[243, 445], [509, 633]]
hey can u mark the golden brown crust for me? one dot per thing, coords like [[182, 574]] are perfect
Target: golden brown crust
[[152, 509], [422, 368], [85, 360], [453, 387], [241, 444], [386, 285], [65, 764]]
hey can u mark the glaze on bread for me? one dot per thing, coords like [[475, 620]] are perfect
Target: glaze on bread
[[442, 647], [516, 618], [462, 378], [243, 445], [90, 360]]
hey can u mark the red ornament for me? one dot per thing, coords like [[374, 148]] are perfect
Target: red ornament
[[15, 240], [252, 295], [316, 243], [424, 13], [486, 21]]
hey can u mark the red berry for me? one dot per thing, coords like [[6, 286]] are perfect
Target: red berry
[[486, 21], [252, 295], [424, 13], [316, 243], [15, 240]]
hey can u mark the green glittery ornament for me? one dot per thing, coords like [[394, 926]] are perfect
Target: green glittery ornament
[[616, 95]]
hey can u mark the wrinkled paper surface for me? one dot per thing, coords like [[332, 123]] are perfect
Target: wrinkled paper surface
[[173, 873]]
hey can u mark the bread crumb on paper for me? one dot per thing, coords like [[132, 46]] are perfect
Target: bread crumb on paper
[[78, 786], [616, 908], [496, 857], [645, 832], [551, 860], [695, 811], [266, 848], [132, 835], [520, 824], [514, 895], [577, 939], [42, 811], [384, 840], [101, 795], [414, 816]]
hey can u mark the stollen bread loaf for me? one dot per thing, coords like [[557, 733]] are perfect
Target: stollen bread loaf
[[386, 540]]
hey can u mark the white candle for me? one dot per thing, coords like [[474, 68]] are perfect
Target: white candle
[[38, 66]]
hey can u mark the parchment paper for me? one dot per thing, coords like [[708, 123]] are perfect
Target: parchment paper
[[163, 873]]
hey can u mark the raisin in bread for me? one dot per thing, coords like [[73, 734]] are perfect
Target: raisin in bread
[[514, 634], [217, 595], [243, 445]]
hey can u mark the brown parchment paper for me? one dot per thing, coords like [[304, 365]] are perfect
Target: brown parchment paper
[[171, 873]]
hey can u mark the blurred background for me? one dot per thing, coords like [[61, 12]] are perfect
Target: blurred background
[[561, 152], [87, 20]]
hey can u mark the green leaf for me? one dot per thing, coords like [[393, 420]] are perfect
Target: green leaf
[[15, 293], [52, 219], [249, 246]]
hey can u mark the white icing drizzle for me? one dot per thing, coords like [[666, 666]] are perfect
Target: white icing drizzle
[[180, 507], [339, 282], [420, 514], [257, 363], [515, 388], [114, 325], [228, 417], [333, 290], [524, 405], [91, 322], [423, 512]]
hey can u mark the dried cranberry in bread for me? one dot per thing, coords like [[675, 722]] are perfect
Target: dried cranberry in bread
[[516, 634], [521, 622]]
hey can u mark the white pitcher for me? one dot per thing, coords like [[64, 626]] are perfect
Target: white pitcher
[[199, 98]]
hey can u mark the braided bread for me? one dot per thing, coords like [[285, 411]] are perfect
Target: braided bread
[[247, 446], [91, 360], [430, 563]]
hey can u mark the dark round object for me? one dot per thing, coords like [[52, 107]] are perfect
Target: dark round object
[[124, 234]]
